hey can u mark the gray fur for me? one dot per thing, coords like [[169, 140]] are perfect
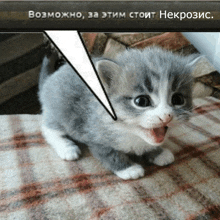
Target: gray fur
[[69, 106]]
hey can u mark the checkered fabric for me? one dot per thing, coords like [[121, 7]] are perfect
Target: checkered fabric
[[36, 184]]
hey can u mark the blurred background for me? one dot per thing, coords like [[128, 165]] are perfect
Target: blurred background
[[22, 53]]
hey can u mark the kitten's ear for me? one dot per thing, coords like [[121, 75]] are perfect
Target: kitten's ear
[[107, 69], [193, 59]]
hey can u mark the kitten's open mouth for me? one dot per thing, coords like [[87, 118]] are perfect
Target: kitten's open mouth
[[158, 134]]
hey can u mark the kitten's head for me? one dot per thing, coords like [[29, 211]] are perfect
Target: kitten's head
[[149, 89]]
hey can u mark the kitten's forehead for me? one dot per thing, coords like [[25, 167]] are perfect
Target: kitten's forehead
[[148, 84], [149, 71]]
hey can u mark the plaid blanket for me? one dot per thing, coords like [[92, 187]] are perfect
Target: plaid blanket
[[36, 184]]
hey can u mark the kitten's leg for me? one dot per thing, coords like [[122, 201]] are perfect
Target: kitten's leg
[[118, 162], [133, 172], [65, 148], [164, 157]]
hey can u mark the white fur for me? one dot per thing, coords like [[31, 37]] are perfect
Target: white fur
[[65, 149], [131, 143], [134, 172], [165, 158]]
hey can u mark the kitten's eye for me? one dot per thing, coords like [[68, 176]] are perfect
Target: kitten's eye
[[142, 101], [178, 99]]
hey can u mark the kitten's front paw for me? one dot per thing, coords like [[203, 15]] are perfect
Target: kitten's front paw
[[132, 172], [165, 158], [69, 153]]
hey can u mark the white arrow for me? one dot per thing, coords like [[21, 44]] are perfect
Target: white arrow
[[71, 46]]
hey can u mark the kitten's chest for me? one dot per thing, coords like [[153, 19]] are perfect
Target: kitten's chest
[[132, 144]]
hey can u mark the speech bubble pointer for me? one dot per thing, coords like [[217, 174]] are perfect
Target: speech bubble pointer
[[71, 46]]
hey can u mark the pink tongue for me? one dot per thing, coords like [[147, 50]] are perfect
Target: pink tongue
[[159, 133]]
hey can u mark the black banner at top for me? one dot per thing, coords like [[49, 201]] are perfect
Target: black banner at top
[[110, 16]]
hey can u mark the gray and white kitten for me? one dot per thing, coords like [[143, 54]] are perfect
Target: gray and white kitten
[[149, 90]]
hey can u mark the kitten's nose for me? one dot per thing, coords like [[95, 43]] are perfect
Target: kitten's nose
[[166, 119]]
